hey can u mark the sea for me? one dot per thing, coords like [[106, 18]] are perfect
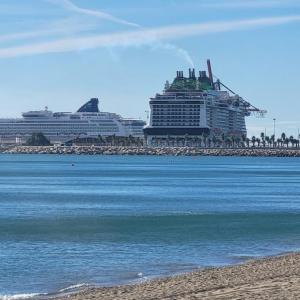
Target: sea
[[74, 221]]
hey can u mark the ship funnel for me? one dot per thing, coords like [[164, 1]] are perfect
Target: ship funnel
[[210, 73], [191, 73]]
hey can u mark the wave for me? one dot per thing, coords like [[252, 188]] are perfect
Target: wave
[[19, 296], [69, 289], [74, 287]]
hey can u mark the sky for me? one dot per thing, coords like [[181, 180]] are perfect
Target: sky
[[61, 53]]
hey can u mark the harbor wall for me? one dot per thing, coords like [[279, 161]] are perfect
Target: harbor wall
[[174, 151]]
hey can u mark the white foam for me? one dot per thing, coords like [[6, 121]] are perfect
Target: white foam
[[31, 295], [18, 296], [73, 287]]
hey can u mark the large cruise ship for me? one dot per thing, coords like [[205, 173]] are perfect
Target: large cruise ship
[[196, 106], [60, 127]]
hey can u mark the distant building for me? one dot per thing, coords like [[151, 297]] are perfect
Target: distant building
[[60, 127], [195, 106]]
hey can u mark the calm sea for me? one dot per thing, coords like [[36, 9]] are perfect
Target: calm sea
[[74, 220]]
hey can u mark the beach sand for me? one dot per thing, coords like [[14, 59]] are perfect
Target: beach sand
[[270, 278]]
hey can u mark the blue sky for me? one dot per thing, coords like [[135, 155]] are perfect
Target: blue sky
[[60, 53]]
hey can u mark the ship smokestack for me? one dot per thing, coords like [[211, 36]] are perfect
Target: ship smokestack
[[210, 74], [193, 73]]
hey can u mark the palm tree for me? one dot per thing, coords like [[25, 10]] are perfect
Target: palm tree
[[168, 140], [186, 136], [232, 140], [200, 141], [214, 140], [223, 138], [272, 139], [209, 142], [228, 142], [100, 139], [279, 142], [145, 140], [205, 136], [131, 140], [253, 140], [262, 136], [283, 136], [258, 142], [244, 137], [248, 142], [287, 141], [292, 140], [267, 139]]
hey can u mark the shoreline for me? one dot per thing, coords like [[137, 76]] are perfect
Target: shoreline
[[274, 277], [153, 151]]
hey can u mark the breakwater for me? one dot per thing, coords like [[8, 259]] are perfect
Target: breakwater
[[161, 151], [4, 148]]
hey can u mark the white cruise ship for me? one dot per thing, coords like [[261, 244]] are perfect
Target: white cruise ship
[[195, 106], [61, 127]]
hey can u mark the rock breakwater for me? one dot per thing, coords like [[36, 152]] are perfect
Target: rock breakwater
[[160, 151]]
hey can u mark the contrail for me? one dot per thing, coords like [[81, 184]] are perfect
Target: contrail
[[62, 27], [67, 4], [95, 13], [231, 4], [142, 37]]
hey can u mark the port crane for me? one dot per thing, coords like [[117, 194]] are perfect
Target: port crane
[[259, 113]]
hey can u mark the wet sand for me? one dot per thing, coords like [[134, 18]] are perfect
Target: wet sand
[[270, 278]]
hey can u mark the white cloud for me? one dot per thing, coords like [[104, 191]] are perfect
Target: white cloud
[[61, 27], [142, 36], [250, 3], [66, 27], [94, 13]]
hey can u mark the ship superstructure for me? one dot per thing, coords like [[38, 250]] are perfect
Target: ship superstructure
[[196, 106], [60, 127]]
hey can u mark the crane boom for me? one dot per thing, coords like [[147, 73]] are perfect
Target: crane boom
[[250, 108]]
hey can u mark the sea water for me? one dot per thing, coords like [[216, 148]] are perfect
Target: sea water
[[71, 221]]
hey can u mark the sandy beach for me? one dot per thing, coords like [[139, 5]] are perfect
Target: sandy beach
[[270, 278]]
